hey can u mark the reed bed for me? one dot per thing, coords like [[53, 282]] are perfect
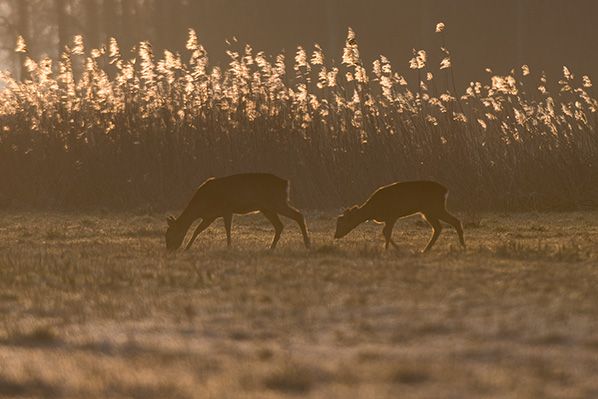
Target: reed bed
[[98, 129]]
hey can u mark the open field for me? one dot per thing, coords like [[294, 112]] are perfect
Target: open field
[[91, 306]]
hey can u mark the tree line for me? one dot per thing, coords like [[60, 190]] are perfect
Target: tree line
[[48, 26]]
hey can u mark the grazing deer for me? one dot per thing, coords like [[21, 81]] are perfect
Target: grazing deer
[[389, 203], [236, 194]]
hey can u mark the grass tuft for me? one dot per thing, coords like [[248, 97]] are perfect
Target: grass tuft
[[562, 252]]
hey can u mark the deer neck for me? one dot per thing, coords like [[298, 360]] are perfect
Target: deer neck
[[362, 214]]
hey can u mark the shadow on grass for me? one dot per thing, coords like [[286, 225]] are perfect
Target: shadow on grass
[[295, 378], [42, 336], [12, 389], [409, 376], [352, 251]]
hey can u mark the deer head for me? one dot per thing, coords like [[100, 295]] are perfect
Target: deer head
[[174, 234], [346, 222]]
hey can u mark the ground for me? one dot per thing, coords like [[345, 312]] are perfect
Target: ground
[[92, 306]]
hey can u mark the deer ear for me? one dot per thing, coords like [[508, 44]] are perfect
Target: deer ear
[[170, 220]]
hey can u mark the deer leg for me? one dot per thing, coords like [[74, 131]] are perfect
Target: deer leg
[[278, 226], [456, 223], [437, 227], [228, 221], [387, 232], [294, 214], [201, 227]]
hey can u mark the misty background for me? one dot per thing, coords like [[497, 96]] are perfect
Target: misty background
[[545, 34]]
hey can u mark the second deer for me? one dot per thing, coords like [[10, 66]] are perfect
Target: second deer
[[389, 203]]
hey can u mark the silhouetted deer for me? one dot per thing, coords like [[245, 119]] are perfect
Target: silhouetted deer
[[389, 203], [236, 194]]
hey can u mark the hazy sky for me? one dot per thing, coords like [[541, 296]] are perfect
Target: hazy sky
[[500, 34]]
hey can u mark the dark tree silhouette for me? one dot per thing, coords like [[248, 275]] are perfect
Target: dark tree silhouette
[[545, 34], [61, 24], [109, 18], [91, 19], [129, 26], [23, 29]]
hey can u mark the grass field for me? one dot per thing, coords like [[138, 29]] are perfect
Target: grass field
[[92, 306]]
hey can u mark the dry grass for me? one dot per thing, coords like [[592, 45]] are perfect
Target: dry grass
[[92, 306], [99, 129]]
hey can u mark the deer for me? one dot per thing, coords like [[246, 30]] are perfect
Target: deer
[[389, 203], [236, 194]]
